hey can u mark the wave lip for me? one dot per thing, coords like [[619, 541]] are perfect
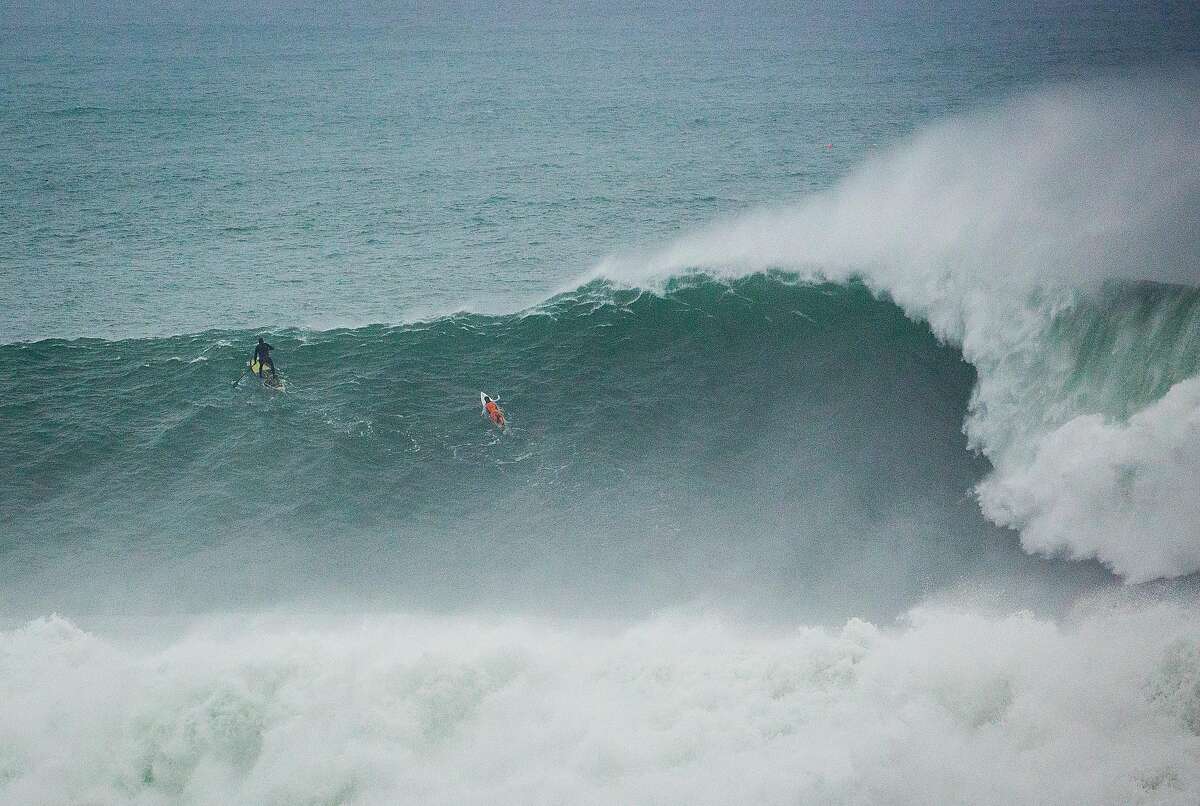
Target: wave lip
[[996, 229]]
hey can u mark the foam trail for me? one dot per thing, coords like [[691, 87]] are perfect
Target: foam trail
[[950, 708], [991, 228]]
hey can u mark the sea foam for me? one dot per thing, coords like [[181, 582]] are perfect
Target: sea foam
[[947, 707]]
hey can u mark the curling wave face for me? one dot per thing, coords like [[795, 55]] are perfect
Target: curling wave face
[[1015, 233]]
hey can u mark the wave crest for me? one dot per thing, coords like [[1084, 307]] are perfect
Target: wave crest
[[994, 228]]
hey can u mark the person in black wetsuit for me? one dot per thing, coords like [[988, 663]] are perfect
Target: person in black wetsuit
[[262, 354]]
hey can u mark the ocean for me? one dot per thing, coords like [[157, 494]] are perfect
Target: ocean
[[851, 361]]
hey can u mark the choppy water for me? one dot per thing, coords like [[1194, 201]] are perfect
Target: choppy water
[[851, 365]]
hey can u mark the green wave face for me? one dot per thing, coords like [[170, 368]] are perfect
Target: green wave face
[[763, 442]]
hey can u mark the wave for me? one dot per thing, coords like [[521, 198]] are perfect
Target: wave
[[1014, 233], [950, 706], [746, 440], [759, 409]]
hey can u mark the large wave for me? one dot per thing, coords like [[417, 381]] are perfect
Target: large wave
[[761, 441], [1025, 235]]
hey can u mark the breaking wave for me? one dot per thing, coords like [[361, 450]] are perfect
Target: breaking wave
[[1053, 240]]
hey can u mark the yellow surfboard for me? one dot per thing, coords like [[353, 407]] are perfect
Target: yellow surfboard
[[269, 381]]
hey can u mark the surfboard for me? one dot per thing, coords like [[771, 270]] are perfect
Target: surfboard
[[274, 382], [484, 398]]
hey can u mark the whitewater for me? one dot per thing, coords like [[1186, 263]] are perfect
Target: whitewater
[[873, 481], [952, 707]]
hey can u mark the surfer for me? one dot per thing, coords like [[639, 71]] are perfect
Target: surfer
[[492, 411], [262, 355]]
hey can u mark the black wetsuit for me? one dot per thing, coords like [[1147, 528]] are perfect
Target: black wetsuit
[[262, 354]]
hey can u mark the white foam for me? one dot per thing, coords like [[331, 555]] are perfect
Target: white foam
[[952, 707], [987, 227], [1092, 485]]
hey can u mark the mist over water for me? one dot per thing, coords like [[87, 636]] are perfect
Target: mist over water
[[851, 362]]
